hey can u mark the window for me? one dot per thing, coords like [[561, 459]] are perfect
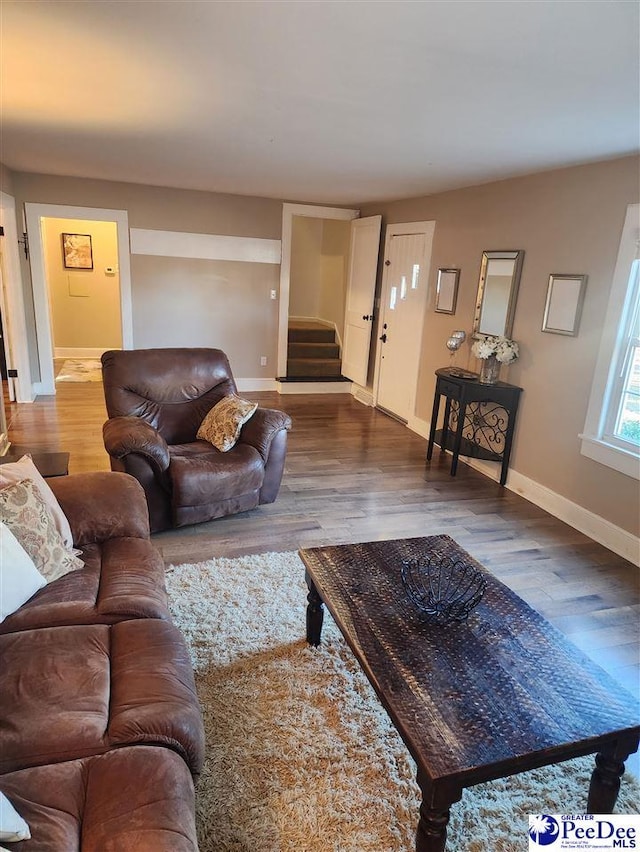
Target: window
[[622, 424], [612, 428]]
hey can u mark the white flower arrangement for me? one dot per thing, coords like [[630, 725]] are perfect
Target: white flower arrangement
[[505, 350]]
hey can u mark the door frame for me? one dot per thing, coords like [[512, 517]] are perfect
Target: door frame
[[15, 322], [397, 230], [288, 212], [34, 214]]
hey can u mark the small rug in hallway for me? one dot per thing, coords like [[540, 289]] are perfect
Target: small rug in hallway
[[300, 756], [80, 370]]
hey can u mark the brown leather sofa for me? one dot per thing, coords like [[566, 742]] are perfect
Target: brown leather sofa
[[156, 400], [100, 728]]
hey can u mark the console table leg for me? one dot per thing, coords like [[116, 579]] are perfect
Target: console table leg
[[315, 613], [434, 421], [605, 784]]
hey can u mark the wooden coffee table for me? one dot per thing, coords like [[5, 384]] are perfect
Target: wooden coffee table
[[501, 693]]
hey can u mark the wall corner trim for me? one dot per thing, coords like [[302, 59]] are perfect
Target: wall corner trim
[[594, 526], [204, 246]]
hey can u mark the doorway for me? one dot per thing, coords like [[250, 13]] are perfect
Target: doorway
[[289, 212], [5, 360], [403, 304], [317, 292], [76, 286], [81, 263]]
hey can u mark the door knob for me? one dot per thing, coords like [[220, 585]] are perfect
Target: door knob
[[367, 316], [384, 337]]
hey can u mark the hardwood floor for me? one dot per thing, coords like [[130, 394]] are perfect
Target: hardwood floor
[[355, 474]]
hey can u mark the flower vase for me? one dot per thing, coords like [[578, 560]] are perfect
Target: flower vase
[[489, 370]]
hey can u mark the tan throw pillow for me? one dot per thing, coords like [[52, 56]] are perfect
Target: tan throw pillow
[[221, 427], [24, 468], [25, 512]]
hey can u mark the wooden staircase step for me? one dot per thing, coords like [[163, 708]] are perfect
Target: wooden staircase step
[[313, 367], [311, 334], [313, 350]]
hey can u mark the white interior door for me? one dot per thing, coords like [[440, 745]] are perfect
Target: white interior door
[[403, 305], [361, 285]]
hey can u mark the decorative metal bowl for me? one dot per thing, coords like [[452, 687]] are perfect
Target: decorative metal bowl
[[445, 589]]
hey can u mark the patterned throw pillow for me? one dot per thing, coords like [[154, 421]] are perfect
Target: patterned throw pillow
[[24, 468], [24, 511], [221, 427]]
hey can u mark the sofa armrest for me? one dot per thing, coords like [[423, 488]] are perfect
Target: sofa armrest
[[102, 505], [262, 428], [124, 435]]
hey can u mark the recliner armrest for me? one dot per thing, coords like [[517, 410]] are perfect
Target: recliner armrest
[[124, 435], [261, 429]]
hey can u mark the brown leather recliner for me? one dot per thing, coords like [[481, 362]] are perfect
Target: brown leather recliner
[[156, 400]]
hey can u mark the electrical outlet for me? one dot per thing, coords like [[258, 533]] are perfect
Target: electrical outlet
[[263, 360], [274, 295]]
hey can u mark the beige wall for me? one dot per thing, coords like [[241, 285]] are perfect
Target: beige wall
[[304, 277], [189, 211], [6, 180], [226, 306], [85, 303], [335, 256], [566, 221], [160, 208]]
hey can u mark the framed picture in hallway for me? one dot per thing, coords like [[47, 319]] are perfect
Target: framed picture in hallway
[[76, 251]]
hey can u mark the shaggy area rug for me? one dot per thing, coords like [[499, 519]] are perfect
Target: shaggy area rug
[[80, 370], [301, 757]]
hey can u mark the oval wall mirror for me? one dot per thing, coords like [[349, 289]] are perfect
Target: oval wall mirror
[[497, 292]]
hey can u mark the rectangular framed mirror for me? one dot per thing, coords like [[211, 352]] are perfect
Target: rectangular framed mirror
[[497, 292], [447, 291], [565, 295]]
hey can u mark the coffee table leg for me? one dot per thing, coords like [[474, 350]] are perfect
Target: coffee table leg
[[605, 783], [431, 835], [432, 830], [315, 613]]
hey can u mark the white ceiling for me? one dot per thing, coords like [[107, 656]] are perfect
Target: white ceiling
[[339, 101]]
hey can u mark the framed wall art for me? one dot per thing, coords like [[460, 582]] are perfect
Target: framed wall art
[[447, 291], [565, 295], [76, 251]]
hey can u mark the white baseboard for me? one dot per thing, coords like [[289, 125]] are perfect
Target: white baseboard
[[594, 526], [363, 395], [421, 427], [79, 352], [328, 323], [256, 384], [623, 543], [313, 387]]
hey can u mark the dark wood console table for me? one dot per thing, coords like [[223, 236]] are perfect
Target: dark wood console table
[[479, 419]]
